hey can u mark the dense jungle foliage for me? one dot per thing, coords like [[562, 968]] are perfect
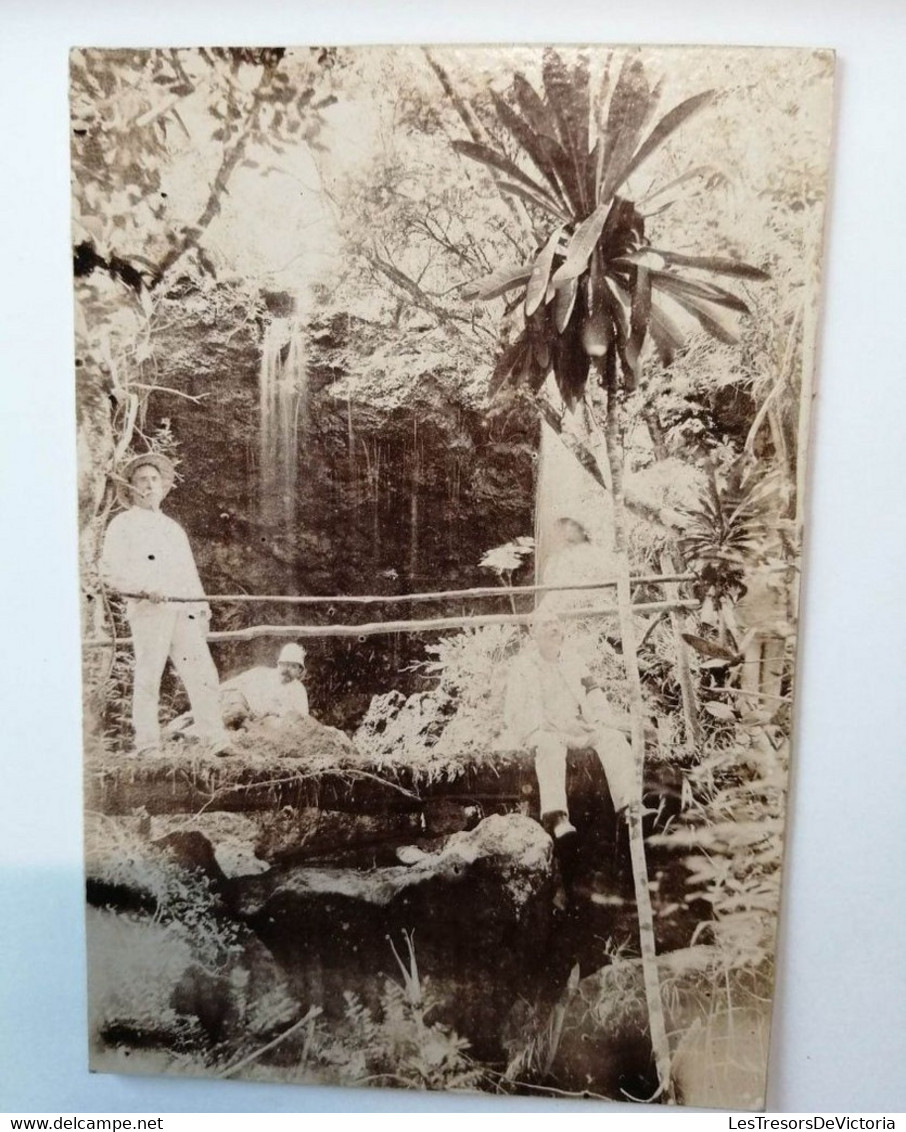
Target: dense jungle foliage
[[582, 289]]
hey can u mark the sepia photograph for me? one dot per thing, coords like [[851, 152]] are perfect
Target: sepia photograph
[[442, 429]]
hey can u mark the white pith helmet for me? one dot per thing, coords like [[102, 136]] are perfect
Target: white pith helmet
[[292, 654]]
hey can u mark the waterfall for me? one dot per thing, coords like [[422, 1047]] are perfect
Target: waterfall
[[283, 405]]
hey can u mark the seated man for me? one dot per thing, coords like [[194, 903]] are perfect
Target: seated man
[[552, 706], [275, 694]]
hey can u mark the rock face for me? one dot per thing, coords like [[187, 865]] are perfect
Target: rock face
[[391, 495], [247, 844], [239, 885], [510, 854], [153, 987], [720, 1061], [479, 912]]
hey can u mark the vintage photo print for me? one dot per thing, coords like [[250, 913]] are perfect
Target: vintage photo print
[[442, 424]]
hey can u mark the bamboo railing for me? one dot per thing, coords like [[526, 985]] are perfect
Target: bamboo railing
[[423, 625]]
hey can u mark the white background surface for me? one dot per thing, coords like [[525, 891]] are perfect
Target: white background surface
[[839, 1037]]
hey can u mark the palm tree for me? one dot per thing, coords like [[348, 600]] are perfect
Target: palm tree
[[596, 297], [597, 289]]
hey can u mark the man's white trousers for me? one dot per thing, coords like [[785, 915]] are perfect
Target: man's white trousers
[[614, 752], [161, 630]]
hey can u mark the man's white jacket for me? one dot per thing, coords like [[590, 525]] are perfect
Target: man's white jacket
[[148, 552], [530, 706]]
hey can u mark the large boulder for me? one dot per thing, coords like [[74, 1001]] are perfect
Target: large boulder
[[243, 845], [479, 913], [509, 853], [604, 1046], [161, 993], [292, 835], [231, 839]]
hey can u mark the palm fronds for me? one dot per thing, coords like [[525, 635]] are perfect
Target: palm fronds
[[596, 289]]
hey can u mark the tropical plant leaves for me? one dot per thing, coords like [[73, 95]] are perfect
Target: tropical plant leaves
[[487, 156], [631, 107], [678, 285], [624, 229], [544, 151], [612, 228], [640, 316], [613, 291], [715, 264], [566, 168], [567, 95], [729, 529], [535, 112], [580, 247], [671, 122], [498, 282], [597, 334], [537, 284], [539, 332], [508, 557], [619, 303], [666, 334], [547, 204], [564, 302], [571, 364], [645, 257], [710, 317], [511, 363], [501, 372]]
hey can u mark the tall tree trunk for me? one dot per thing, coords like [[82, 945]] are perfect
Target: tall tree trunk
[[413, 505], [97, 458], [614, 430], [677, 622], [683, 674]]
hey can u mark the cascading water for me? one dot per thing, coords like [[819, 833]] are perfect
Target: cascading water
[[283, 398]]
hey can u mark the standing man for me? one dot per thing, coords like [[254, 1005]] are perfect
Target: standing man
[[574, 561], [147, 558], [552, 706]]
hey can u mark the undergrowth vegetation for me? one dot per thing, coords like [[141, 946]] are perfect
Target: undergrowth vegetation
[[727, 831], [400, 1044], [120, 858], [649, 270]]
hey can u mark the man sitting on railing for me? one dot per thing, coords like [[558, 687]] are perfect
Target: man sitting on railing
[[552, 706]]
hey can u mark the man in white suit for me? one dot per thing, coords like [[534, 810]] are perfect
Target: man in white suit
[[554, 705], [147, 558]]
